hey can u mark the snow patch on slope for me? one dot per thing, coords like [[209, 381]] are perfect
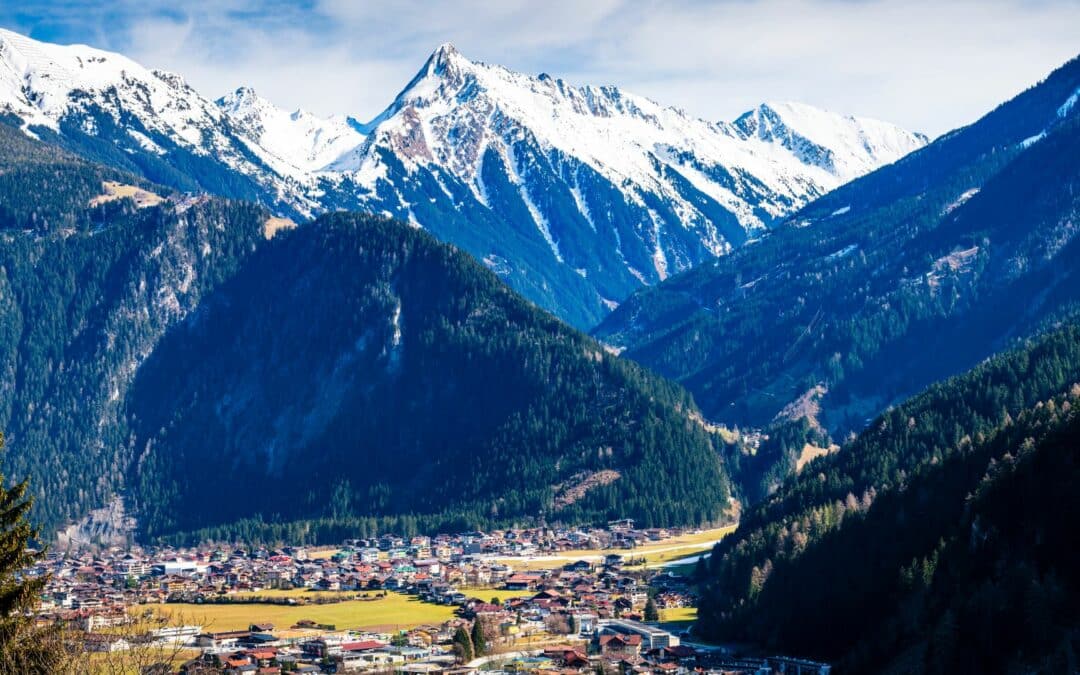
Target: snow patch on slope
[[1067, 106]]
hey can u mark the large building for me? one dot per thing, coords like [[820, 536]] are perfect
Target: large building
[[651, 636]]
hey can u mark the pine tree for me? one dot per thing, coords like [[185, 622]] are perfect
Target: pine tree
[[24, 648], [463, 646], [651, 613], [479, 642]]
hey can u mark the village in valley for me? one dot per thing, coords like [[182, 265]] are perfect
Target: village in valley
[[616, 599]]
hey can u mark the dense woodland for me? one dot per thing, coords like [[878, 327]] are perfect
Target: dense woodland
[[908, 275], [904, 548], [356, 367], [84, 295]]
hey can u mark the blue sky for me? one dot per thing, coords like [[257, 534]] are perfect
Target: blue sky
[[927, 65]]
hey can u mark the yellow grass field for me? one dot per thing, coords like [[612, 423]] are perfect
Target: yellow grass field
[[678, 615], [114, 190], [272, 226], [395, 611], [126, 663]]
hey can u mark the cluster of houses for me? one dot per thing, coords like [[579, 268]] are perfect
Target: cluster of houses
[[615, 646], [261, 651], [94, 589], [586, 614]]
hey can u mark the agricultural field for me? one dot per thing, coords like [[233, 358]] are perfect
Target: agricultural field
[[114, 191], [131, 663], [393, 612], [322, 553], [678, 615]]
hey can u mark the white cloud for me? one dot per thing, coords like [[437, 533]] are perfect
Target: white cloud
[[928, 65]]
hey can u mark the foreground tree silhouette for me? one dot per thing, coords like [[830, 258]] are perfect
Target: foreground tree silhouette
[[24, 648]]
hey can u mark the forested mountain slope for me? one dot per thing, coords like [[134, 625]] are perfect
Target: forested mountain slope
[[85, 293], [180, 352], [937, 541], [356, 367], [910, 274]]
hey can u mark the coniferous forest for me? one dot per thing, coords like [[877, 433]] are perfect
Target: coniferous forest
[[895, 552], [894, 281], [396, 376]]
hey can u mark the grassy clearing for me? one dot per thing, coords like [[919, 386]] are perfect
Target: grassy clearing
[[810, 453], [128, 663], [393, 612], [274, 224], [682, 570], [114, 190]]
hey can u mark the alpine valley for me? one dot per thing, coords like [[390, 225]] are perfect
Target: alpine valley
[[513, 304]]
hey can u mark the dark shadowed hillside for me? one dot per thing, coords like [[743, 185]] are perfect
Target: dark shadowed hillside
[[85, 293], [938, 541], [357, 367]]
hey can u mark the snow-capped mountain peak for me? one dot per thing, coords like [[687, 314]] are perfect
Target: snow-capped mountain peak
[[91, 96], [43, 82], [717, 180], [845, 145], [445, 56], [304, 140], [454, 107], [575, 194]]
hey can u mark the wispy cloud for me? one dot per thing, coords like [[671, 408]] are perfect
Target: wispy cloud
[[929, 65]]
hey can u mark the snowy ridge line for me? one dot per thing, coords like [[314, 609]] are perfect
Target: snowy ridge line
[[622, 190]]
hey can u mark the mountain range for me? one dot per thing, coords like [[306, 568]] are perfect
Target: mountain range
[[576, 196]]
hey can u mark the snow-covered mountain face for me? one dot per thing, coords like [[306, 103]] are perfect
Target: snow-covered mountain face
[[600, 184], [846, 147], [576, 196], [109, 108], [298, 139]]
